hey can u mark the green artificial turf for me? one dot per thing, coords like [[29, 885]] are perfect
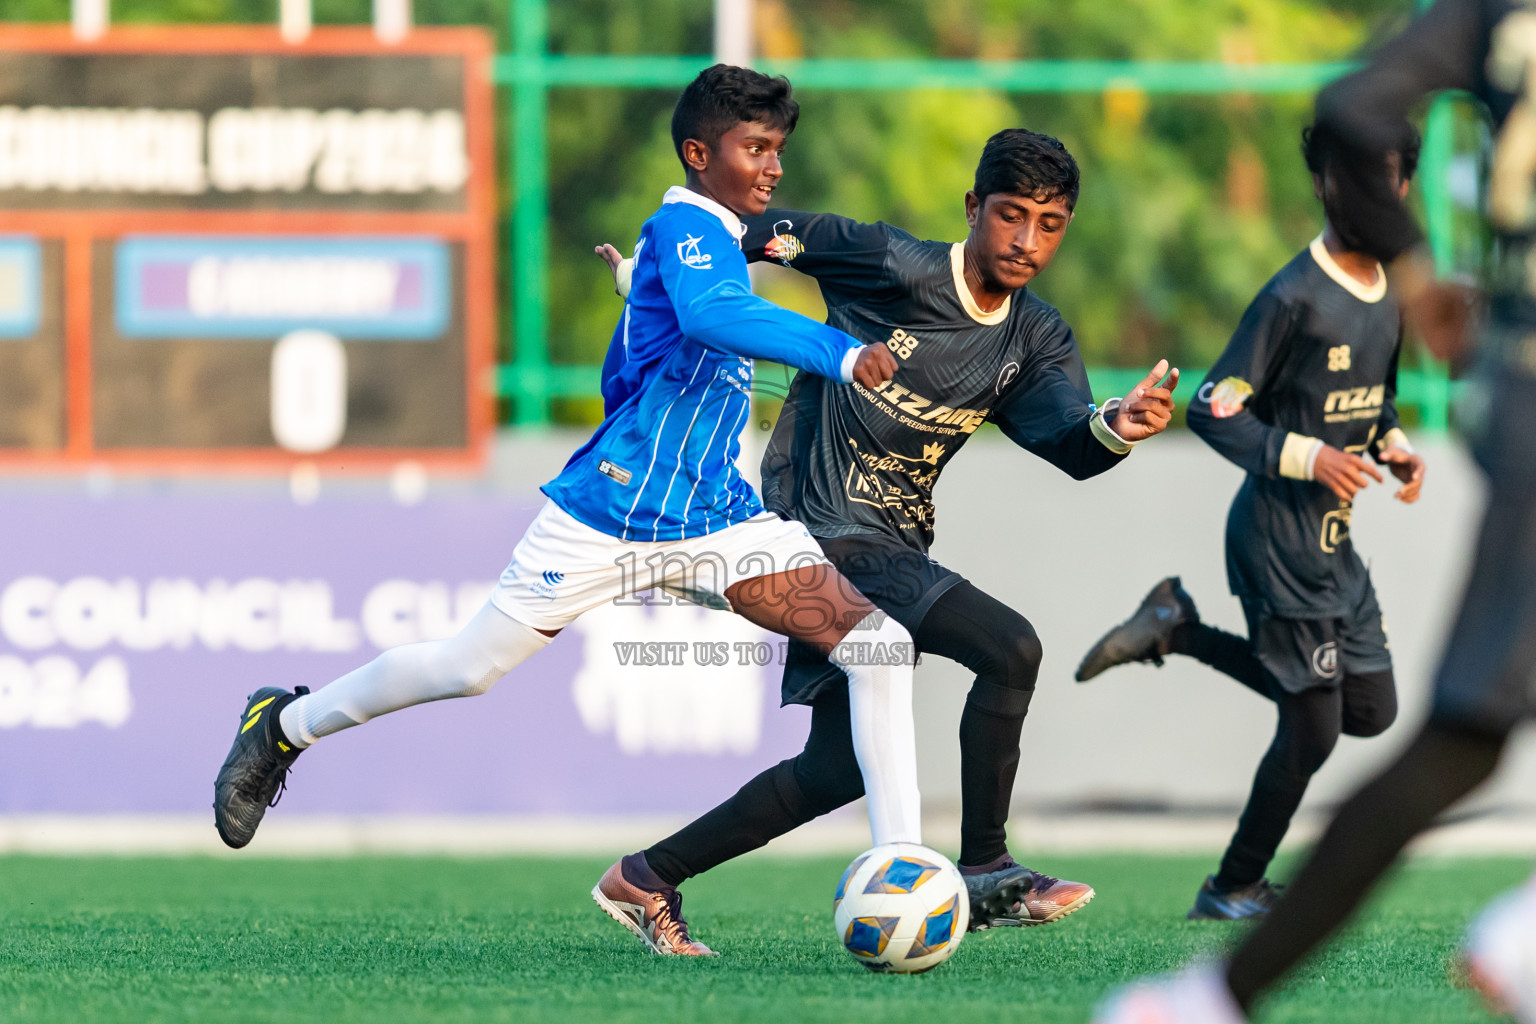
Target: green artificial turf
[[407, 940]]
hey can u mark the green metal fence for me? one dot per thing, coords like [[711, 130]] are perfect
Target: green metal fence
[[530, 71]]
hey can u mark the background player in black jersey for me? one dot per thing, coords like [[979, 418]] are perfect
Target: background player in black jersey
[[858, 465], [1486, 683], [1305, 388]]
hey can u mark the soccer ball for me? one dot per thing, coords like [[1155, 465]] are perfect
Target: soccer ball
[[901, 908]]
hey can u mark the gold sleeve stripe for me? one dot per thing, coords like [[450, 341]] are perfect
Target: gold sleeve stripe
[[1296, 456], [1395, 438]]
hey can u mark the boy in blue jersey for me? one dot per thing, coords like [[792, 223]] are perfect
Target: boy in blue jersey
[[655, 499]]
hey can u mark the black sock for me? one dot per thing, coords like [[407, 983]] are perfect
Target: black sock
[[1226, 652], [638, 873], [766, 807], [989, 761], [1272, 803], [995, 864], [1441, 766]]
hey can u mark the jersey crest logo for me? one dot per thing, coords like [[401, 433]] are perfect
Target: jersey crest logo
[[1228, 397], [1006, 377], [1325, 660], [1338, 358], [688, 252], [783, 246]]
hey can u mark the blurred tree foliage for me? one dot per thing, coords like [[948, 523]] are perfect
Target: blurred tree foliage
[[1188, 204]]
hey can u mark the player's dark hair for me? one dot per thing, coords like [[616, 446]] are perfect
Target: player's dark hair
[[722, 97], [1321, 144], [1026, 163]]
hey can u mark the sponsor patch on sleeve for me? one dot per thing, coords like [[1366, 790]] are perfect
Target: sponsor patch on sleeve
[[783, 246], [1228, 397], [618, 473]]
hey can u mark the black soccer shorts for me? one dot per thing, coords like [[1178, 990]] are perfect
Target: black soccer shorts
[[1305, 653]]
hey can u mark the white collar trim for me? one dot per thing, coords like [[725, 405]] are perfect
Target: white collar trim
[[1364, 292], [957, 268], [679, 194]]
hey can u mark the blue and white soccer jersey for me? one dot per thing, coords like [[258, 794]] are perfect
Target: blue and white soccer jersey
[[677, 382], [563, 568], [654, 498]]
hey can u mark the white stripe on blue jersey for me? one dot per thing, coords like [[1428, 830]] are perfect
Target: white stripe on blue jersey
[[680, 361]]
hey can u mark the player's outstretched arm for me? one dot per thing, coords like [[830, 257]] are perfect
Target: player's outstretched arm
[[841, 253], [1446, 48], [705, 279], [872, 367], [1049, 411]]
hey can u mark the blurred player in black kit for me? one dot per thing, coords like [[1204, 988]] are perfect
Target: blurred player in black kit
[[1485, 683], [974, 345], [1305, 389]]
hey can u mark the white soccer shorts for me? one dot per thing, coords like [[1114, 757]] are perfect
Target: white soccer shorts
[[563, 568]]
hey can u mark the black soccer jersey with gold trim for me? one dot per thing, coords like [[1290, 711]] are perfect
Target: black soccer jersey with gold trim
[[845, 459], [1314, 361]]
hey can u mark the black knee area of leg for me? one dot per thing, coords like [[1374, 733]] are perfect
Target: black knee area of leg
[[999, 701], [1310, 753], [1376, 716], [1298, 753], [790, 793], [1309, 729], [1024, 656], [826, 784]]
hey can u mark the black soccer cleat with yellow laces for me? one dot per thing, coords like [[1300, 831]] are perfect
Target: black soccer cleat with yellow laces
[[255, 772]]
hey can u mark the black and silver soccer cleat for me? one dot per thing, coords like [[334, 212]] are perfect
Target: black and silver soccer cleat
[[1144, 636], [255, 772], [1246, 901], [997, 896]]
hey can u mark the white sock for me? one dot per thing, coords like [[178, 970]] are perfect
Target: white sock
[[463, 665], [884, 737]]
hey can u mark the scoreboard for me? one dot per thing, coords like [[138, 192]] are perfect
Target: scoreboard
[[218, 249]]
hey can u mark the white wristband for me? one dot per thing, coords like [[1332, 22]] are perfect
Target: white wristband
[[1098, 423], [1395, 438], [1298, 456], [849, 358]]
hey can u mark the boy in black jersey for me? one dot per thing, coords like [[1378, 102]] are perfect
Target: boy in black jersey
[[1305, 388], [1486, 684], [858, 465]]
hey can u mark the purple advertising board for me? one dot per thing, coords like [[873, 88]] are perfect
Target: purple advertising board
[[132, 627]]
